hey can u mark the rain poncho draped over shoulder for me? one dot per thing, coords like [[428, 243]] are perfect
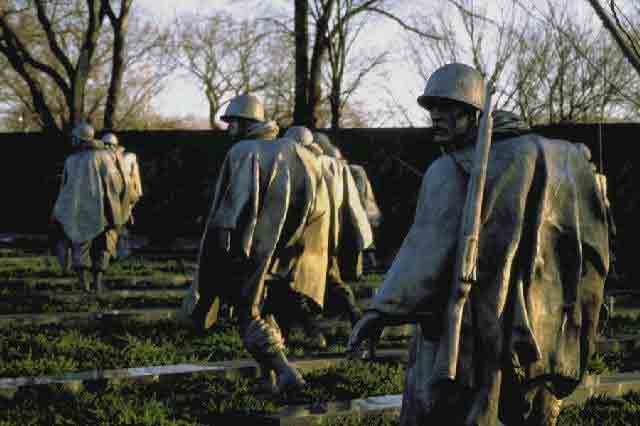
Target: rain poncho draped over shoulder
[[93, 194], [543, 256], [271, 197], [349, 219], [366, 194], [132, 172]]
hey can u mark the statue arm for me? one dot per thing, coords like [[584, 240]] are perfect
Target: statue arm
[[424, 261]]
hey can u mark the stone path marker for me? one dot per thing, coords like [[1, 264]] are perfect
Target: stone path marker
[[234, 368], [313, 415]]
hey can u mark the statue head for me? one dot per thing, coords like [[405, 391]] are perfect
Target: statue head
[[82, 132], [328, 148], [110, 140], [300, 134], [242, 112], [454, 95]]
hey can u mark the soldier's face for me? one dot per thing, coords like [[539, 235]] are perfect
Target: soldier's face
[[451, 121], [238, 127]]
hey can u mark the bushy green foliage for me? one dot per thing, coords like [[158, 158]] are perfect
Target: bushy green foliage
[[384, 419], [33, 351], [602, 410], [194, 399], [623, 324], [120, 406], [354, 379]]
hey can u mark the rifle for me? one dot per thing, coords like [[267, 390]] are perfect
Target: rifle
[[465, 273]]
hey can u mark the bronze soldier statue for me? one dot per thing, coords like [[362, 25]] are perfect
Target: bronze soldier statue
[[534, 288], [92, 205], [264, 246]]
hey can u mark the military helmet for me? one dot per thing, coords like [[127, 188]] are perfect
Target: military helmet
[[110, 139], [300, 134], [457, 82], [244, 106], [83, 131]]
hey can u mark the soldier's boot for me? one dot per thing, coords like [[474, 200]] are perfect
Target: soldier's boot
[[288, 377], [97, 281], [84, 280], [267, 381], [355, 313], [315, 338], [63, 254]]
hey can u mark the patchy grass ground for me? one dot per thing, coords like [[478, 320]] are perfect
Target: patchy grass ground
[[194, 400]]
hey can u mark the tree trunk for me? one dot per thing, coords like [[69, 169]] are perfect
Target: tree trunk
[[301, 107], [335, 104], [120, 26], [320, 46], [83, 67], [615, 33]]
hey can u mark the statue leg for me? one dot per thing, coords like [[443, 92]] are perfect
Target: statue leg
[[419, 398], [264, 342], [102, 250], [485, 312], [63, 254], [294, 309], [545, 408], [81, 260], [340, 293]]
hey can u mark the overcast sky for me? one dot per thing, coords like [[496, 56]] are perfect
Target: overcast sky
[[182, 96], [399, 77]]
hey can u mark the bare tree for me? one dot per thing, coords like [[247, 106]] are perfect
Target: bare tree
[[342, 57], [224, 55], [279, 76], [146, 67], [468, 35], [57, 41], [556, 83], [620, 24], [553, 70], [590, 79], [301, 32], [329, 19]]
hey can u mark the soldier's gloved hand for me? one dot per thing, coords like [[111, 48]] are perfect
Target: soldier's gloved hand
[[369, 327]]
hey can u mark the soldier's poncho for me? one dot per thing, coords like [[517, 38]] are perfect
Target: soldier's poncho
[[271, 196], [348, 216], [92, 194], [543, 256], [132, 173], [367, 197]]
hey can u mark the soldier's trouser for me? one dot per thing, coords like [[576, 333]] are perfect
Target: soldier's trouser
[[291, 308], [340, 298], [341, 295], [95, 254]]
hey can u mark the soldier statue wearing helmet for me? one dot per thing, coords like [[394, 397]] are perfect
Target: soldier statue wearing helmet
[[530, 319], [129, 163], [454, 96], [91, 205], [249, 257], [245, 115]]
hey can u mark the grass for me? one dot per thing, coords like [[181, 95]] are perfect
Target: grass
[[47, 266], [34, 351], [601, 410], [191, 400], [201, 399], [197, 399]]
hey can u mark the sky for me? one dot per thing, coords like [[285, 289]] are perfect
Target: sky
[[406, 86], [397, 83]]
